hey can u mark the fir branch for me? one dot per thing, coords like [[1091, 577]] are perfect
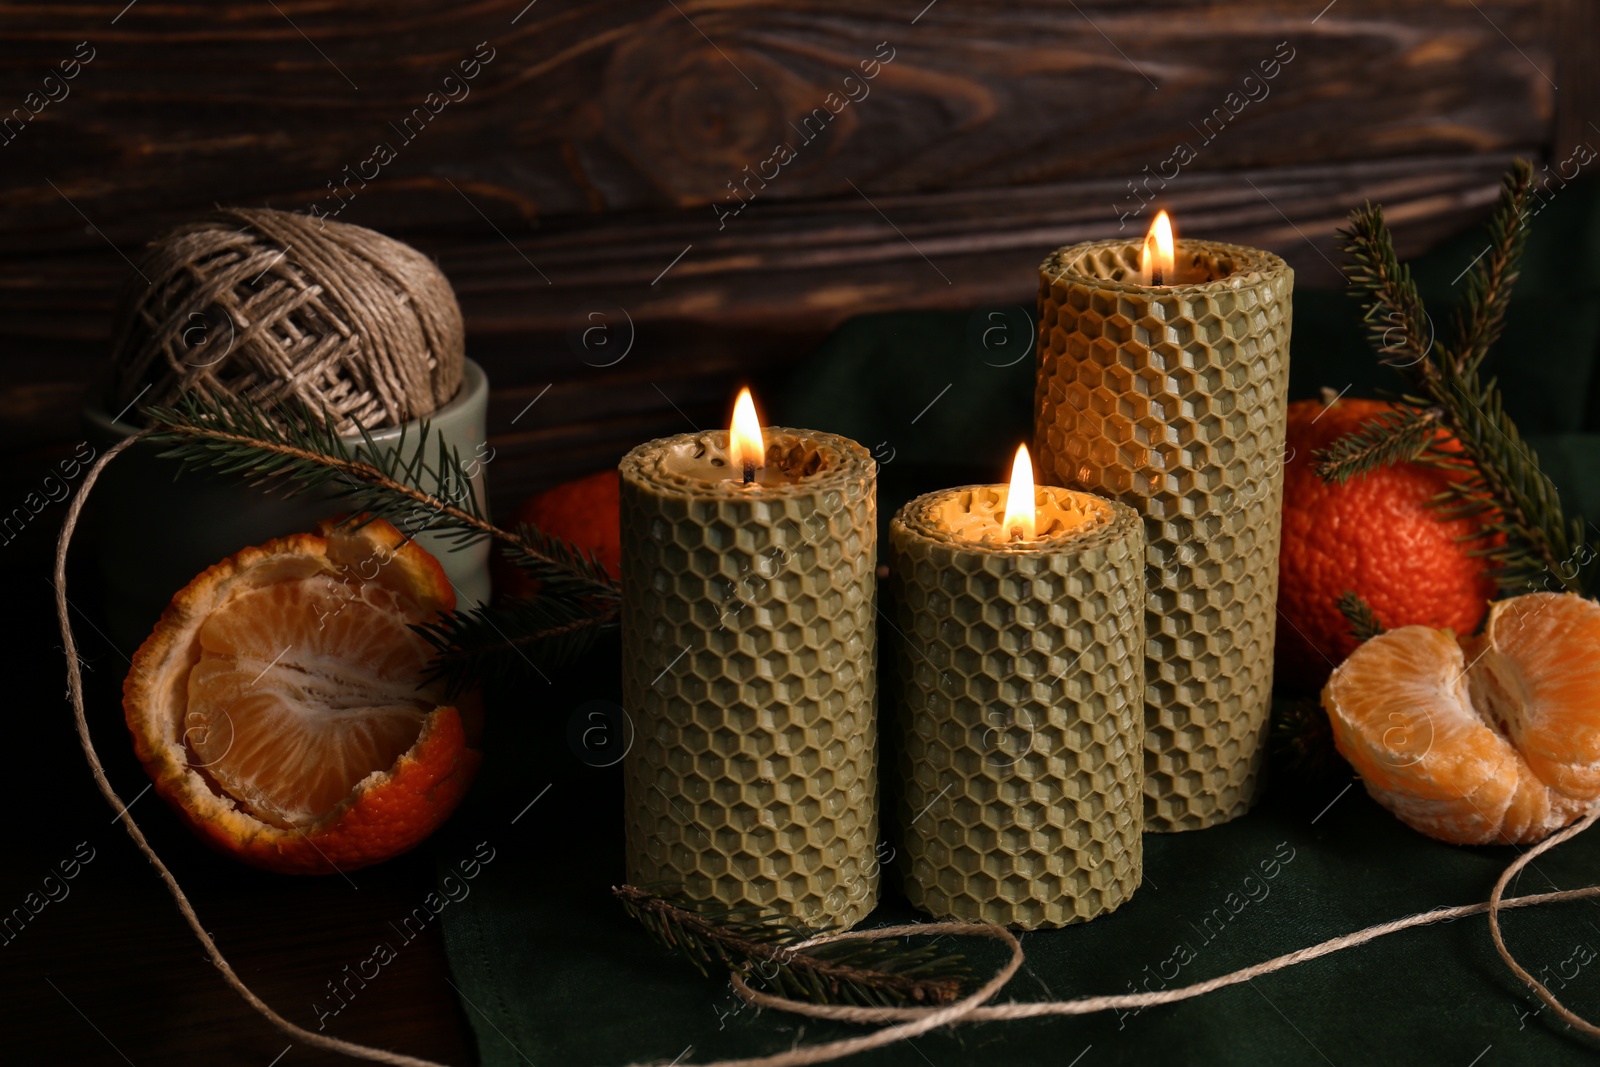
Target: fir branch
[[540, 547], [1506, 485], [300, 452], [1302, 746], [755, 942], [297, 451], [1401, 435], [1398, 325], [1491, 278], [1496, 477], [497, 642], [1364, 623]]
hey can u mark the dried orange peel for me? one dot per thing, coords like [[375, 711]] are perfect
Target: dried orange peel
[[1492, 739], [278, 705]]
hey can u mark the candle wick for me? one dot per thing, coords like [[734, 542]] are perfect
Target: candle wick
[[749, 473], [1156, 276]]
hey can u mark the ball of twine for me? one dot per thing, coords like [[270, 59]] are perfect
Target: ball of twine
[[273, 306]]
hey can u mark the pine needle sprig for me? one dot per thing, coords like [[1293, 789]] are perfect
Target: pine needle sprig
[[1398, 326], [758, 944], [1491, 278], [296, 451], [1401, 435], [1364, 622], [1301, 743], [502, 640], [1496, 476], [1302, 747], [575, 569], [1504, 487]]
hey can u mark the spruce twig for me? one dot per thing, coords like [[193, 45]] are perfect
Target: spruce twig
[[1496, 476], [494, 641], [1401, 435], [298, 451], [1490, 280], [1364, 623], [1302, 745], [1398, 326], [756, 943]]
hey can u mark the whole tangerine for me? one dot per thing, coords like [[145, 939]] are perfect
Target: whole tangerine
[[586, 512], [1374, 535]]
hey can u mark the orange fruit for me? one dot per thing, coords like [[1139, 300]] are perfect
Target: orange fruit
[[586, 511], [1482, 740], [276, 705], [1374, 535]]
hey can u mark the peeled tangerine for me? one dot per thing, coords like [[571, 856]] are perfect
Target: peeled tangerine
[[279, 704], [1487, 740]]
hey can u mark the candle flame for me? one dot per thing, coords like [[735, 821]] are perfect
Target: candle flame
[[1019, 520], [1160, 252], [747, 452]]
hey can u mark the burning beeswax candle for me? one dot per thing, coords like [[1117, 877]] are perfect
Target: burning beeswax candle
[[749, 657], [1021, 612], [1162, 375]]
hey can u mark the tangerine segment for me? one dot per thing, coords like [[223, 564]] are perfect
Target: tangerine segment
[[1541, 677], [1484, 740], [1402, 715]]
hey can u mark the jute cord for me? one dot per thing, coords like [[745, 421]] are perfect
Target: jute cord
[[272, 305], [903, 1023]]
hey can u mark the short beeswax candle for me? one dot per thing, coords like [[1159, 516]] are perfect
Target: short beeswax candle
[[1021, 712], [749, 659], [1168, 393]]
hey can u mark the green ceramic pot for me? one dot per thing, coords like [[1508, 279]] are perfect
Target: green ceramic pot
[[151, 531]]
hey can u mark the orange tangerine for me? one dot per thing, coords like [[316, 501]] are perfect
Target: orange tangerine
[[1375, 535], [587, 512]]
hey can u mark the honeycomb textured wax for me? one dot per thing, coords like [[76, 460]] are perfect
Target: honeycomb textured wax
[[749, 671], [1172, 399], [1021, 710]]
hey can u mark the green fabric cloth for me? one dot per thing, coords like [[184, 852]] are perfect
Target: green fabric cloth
[[555, 974], [552, 972]]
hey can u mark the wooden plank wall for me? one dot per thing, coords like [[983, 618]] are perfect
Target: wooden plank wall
[[620, 159]]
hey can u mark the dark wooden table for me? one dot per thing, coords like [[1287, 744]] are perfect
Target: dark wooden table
[[108, 972]]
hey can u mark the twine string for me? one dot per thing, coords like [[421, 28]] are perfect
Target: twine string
[[75, 688], [903, 1023], [1495, 903], [1125, 1001], [273, 305]]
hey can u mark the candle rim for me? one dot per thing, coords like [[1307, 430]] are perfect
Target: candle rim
[[1256, 265], [913, 517], [848, 463]]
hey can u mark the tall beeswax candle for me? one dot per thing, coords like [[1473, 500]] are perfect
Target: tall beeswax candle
[[1022, 704], [749, 656], [1171, 398]]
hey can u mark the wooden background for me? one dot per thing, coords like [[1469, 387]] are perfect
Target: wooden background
[[589, 152]]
